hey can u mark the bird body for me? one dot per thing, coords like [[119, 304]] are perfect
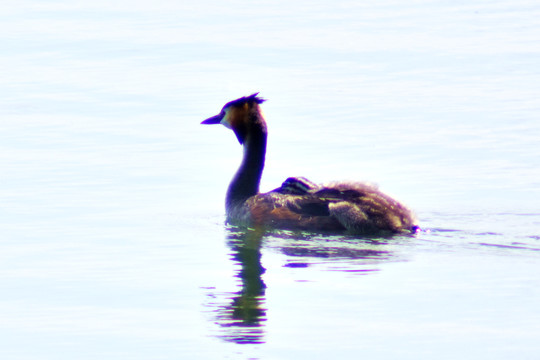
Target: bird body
[[298, 203]]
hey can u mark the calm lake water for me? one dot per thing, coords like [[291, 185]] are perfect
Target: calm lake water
[[112, 235]]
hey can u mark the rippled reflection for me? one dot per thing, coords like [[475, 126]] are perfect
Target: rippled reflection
[[342, 253], [243, 317]]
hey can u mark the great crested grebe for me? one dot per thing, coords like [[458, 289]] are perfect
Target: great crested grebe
[[353, 207]]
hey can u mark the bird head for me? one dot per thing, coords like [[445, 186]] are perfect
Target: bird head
[[237, 115]]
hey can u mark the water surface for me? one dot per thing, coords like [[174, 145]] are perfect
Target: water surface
[[112, 223]]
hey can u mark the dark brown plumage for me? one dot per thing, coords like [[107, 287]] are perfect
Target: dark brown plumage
[[298, 203]]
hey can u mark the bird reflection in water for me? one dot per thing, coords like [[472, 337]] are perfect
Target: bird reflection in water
[[243, 316]]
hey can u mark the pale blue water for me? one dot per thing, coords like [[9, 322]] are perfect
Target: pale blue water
[[111, 206]]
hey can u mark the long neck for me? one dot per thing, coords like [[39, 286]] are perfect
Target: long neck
[[245, 182]]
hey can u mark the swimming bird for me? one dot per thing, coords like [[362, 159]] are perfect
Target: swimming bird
[[299, 204]]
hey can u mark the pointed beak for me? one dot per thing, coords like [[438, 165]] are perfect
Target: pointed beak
[[213, 120]]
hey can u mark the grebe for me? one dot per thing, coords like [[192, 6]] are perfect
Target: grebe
[[353, 207]]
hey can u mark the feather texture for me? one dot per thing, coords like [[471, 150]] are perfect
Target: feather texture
[[299, 203]]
